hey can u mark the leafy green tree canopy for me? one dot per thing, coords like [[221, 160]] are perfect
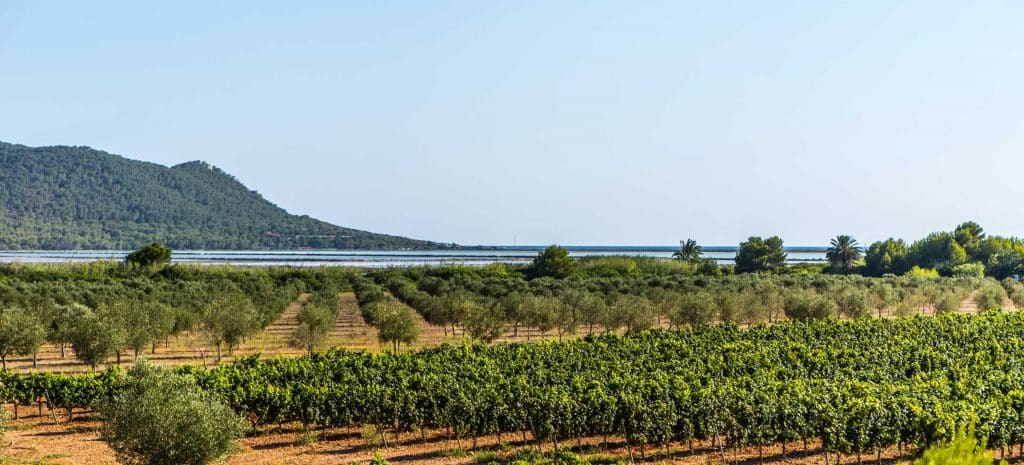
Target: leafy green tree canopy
[[150, 255], [970, 236], [553, 262], [888, 256], [757, 254], [939, 250]]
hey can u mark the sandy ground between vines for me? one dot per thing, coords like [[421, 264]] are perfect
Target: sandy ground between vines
[[37, 440]]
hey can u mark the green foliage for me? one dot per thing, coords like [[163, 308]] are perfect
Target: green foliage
[[990, 296], [963, 449], [804, 305], [843, 252], [757, 254], [553, 262], [970, 236], [395, 323], [688, 251], [939, 250], [80, 198], [150, 255], [891, 256], [853, 303], [227, 319], [969, 270], [378, 459], [21, 333], [918, 272], [694, 310], [315, 321], [97, 337], [158, 417]]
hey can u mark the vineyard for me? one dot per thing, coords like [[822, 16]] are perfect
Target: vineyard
[[628, 352], [854, 386]]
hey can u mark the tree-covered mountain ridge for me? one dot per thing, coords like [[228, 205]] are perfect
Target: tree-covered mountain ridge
[[64, 197]]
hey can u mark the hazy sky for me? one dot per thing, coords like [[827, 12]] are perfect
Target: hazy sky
[[572, 122]]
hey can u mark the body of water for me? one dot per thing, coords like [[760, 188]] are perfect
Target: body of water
[[383, 258]]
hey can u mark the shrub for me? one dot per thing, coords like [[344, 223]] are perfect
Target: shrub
[[963, 449], [378, 459], [486, 457], [946, 302], [161, 418], [1015, 290], [969, 270], [918, 272]]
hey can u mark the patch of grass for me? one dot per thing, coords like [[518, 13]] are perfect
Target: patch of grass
[[455, 452], [307, 438], [378, 459], [372, 436], [602, 459], [486, 457]]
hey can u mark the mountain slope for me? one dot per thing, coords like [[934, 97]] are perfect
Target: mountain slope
[[79, 198]]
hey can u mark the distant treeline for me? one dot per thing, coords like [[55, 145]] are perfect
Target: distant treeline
[[967, 251]]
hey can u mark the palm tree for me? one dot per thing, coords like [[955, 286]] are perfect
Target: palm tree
[[688, 251], [843, 252]]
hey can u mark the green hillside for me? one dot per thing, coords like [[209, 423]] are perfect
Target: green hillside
[[79, 198]]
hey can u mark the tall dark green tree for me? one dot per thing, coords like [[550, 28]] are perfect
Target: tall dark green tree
[[970, 236], [939, 250], [757, 254], [843, 252], [150, 255], [888, 256], [553, 262]]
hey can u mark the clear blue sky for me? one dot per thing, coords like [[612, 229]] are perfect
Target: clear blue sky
[[570, 122]]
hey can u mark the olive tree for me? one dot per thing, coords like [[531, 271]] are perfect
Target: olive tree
[[806, 305], [315, 321], [227, 319], [395, 324], [95, 338], [990, 296], [158, 417], [20, 334], [694, 309], [62, 321]]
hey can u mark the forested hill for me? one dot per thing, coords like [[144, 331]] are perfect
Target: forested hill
[[79, 198]]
